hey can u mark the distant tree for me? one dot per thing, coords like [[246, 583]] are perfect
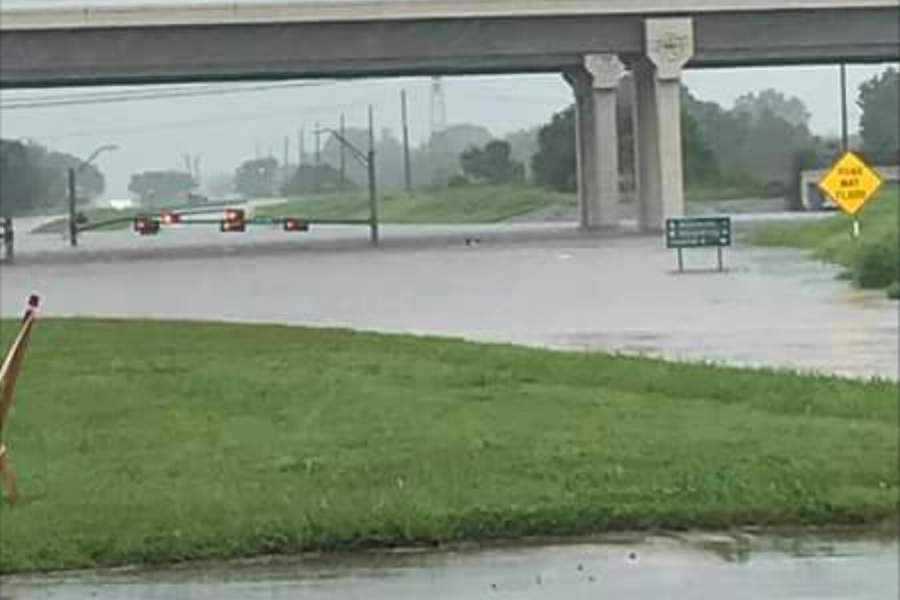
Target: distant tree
[[879, 100], [161, 188], [753, 144], [34, 178], [700, 164], [524, 145], [435, 162], [257, 177], [19, 179], [554, 164], [492, 164], [775, 103]]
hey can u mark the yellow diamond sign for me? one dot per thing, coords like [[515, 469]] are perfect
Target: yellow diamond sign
[[850, 183]]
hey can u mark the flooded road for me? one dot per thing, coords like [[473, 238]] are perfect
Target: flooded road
[[535, 285], [527, 284], [699, 567]]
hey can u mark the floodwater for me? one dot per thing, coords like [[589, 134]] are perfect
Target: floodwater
[[534, 284], [699, 567]]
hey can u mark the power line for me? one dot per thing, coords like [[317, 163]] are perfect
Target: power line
[[110, 97], [201, 122]]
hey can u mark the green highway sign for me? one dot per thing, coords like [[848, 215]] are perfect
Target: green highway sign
[[698, 232]]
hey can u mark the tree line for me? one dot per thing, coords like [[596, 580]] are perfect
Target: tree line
[[758, 146], [34, 179]]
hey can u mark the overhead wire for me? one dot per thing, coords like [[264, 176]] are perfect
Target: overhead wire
[[114, 97]]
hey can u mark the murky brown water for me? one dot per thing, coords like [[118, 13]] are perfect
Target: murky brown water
[[535, 284]]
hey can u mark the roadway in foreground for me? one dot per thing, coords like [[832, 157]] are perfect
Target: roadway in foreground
[[698, 566]]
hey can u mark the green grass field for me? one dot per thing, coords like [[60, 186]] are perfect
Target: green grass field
[[94, 215], [467, 204], [873, 261], [146, 442]]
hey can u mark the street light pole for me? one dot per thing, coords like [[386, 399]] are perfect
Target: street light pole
[[72, 173], [73, 226], [845, 137], [373, 200], [367, 159]]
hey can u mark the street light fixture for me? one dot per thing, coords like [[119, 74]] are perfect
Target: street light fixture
[[73, 223], [366, 159]]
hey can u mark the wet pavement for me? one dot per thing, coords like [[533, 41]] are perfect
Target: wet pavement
[[698, 566], [535, 284]]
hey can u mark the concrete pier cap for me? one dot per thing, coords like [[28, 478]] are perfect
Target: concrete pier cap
[[669, 43]]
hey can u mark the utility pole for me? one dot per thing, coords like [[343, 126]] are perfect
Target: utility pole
[[301, 147], [845, 135], [73, 223], [343, 158], [73, 226], [285, 172], [407, 175], [318, 157], [370, 163], [196, 169]]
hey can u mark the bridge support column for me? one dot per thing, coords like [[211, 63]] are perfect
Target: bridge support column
[[606, 72], [584, 146], [669, 45]]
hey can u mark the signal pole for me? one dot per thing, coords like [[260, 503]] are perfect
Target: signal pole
[[407, 175], [318, 157], [845, 135], [343, 158]]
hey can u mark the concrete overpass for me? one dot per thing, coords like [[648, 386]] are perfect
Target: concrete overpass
[[592, 43]]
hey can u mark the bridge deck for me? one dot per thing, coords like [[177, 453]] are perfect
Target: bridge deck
[[72, 17]]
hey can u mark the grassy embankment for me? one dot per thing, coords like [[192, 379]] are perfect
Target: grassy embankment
[[94, 215], [142, 442], [470, 204], [873, 261]]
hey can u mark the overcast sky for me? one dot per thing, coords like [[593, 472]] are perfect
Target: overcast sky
[[225, 129]]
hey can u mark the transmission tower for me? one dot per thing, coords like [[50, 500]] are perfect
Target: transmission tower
[[438, 115]]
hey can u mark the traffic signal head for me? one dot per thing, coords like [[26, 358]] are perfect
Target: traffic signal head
[[295, 224], [146, 226], [234, 220], [170, 218], [234, 215]]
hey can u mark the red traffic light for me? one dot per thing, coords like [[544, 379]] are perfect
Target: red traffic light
[[146, 226], [233, 221], [234, 215], [295, 224], [170, 218]]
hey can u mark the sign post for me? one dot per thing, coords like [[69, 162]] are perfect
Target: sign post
[[851, 183], [698, 232]]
